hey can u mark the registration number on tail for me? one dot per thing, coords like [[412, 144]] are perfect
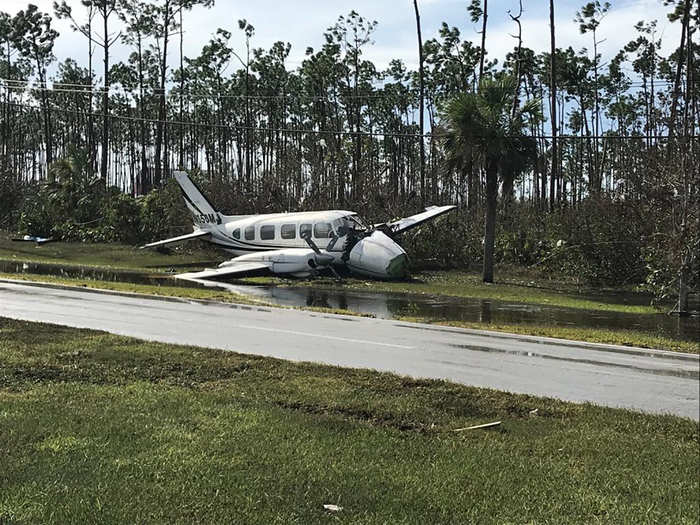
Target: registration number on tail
[[205, 218]]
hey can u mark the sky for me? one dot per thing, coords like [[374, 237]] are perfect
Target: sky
[[303, 22]]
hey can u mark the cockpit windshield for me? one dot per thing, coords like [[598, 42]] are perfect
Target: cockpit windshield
[[356, 222], [347, 224]]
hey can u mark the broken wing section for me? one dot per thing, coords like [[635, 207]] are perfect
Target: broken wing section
[[199, 234], [408, 223], [231, 268]]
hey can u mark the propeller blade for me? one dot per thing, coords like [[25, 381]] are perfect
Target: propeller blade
[[337, 275], [307, 237], [321, 259], [332, 242]]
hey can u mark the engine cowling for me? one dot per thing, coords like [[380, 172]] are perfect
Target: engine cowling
[[377, 255], [291, 261]]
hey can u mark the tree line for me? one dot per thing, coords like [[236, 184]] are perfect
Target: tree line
[[547, 142]]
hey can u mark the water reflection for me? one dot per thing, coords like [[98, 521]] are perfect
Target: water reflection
[[98, 274]]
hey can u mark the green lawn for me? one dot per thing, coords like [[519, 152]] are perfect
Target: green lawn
[[108, 429], [103, 255]]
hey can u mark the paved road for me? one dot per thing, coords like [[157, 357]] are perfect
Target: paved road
[[647, 380]]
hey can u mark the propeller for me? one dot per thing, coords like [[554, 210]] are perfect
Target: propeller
[[322, 259]]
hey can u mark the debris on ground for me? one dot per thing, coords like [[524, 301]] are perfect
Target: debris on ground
[[485, 425]]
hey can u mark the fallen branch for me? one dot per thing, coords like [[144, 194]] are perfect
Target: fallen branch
[[485, 425]]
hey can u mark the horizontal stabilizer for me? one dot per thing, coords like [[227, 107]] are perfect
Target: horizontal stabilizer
[[230, 269], [407, 223], [199, 234]]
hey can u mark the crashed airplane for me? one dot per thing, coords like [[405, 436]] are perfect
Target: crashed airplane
[[288, 243]]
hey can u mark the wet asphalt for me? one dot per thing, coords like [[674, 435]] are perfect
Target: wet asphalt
[[646, 380]]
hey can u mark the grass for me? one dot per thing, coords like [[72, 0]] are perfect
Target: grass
[[510, 288], [101, 428], [622, 337], [105, 255]]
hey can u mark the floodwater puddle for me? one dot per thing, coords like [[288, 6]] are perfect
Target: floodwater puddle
[[440, 308], [395, 305], [97, 274]]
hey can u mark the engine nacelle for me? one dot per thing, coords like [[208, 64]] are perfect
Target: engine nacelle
[[378, 256], [292, 261]]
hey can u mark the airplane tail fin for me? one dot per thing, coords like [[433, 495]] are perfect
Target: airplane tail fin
[[203, 213]]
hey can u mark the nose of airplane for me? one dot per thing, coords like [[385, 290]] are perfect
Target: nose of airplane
[[378, 256], [398, 267]]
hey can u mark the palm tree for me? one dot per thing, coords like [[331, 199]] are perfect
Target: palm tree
[[483, 126]]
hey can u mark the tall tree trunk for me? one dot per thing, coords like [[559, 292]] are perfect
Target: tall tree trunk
[[596, 123], [105, 107], [143, 174], [483, 39], [91, 125], [516, 92], [679, 69], [490, 218], [553, 91], [7, 113], [422, 95], [163, 108], [181, 159], [46, 111], [161, 132]]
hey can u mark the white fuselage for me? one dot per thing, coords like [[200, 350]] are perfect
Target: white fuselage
[[253, 236], [242, 235]]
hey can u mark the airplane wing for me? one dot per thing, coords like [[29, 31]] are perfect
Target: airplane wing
[[194, 235], [407, 223], [229, 269]]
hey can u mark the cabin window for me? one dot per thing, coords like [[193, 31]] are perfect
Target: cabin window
[[236, 233], [304, 229], [267, 232], [250, 233], [322, 230], [289, 231]]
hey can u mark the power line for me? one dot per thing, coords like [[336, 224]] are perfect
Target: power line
[[341, 132], [229, 127], [87, 89]]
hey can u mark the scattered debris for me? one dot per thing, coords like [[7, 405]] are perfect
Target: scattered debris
[[33, 238], [534, 412], [485, 425], [332, 508]]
